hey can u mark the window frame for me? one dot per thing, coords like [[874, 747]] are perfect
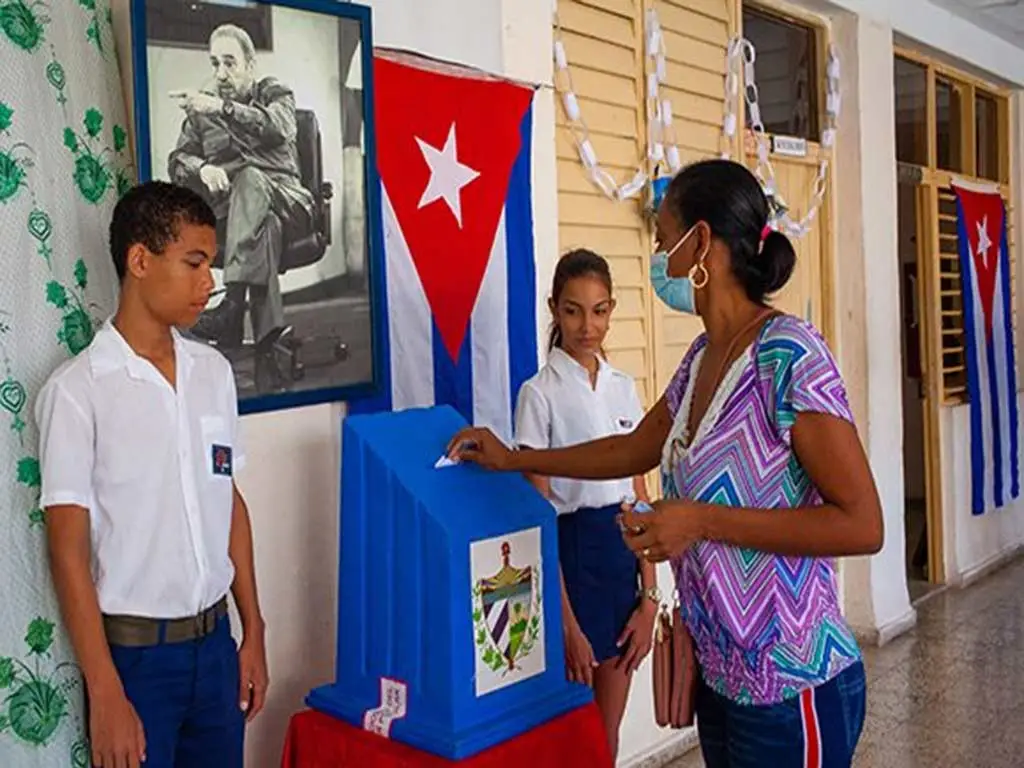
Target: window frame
[[950, 356], [970, 85], [818, 53]]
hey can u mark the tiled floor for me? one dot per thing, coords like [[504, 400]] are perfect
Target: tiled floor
[[951, 692]]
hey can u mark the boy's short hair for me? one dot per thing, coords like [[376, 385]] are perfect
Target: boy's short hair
[[151, 213]]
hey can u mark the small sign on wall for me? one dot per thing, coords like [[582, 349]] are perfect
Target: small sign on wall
[[789, 146]]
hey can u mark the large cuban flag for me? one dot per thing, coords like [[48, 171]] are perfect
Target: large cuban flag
[[991, 363], [453, 150]]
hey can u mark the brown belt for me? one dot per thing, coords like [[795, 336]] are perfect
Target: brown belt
[[138, 630]]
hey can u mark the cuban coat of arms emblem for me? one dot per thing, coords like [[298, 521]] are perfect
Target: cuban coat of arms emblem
[[508, 624]]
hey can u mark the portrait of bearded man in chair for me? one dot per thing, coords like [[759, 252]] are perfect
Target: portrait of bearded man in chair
[[238, 149]]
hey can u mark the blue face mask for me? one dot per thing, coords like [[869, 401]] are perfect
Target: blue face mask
[[675, 292]]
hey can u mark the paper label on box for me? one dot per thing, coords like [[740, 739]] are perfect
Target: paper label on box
[[393, 706], [508, 620]]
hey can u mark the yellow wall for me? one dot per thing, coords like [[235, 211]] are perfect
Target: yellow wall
[[604, 46]]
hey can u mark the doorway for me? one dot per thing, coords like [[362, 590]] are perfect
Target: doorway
[[915, 486], [791, 48]]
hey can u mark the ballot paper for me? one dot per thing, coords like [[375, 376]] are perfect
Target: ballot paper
[[444, 461]]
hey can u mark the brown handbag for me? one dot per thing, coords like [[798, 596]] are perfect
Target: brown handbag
[[675, 671]]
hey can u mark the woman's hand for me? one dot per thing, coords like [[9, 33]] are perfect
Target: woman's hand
[[638, 636], [666, 532], [579, 655], [480, 446]]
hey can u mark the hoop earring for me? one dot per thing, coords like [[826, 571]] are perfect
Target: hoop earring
[[699, 269]]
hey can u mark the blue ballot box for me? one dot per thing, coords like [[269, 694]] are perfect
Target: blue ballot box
[[449, 598]]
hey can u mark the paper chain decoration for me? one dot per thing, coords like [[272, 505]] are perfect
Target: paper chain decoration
[[740, 63], [661, 140]]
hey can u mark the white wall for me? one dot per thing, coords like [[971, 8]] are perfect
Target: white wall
[[885, 405], [973, 544], [291, 478], [876, 602], [942, 31], [290, 483], [875, 591]]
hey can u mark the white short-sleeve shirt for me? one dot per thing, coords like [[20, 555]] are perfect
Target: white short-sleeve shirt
[[558, 407], [153, 465]]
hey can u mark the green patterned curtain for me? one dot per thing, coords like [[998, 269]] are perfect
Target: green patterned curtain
[[64, 160]]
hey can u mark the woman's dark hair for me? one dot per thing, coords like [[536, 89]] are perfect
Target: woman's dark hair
[[575, 263], [729, 198]]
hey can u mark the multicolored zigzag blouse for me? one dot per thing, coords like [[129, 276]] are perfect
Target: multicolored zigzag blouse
[[765, 626]]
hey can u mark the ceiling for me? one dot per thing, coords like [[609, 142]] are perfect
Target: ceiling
[[1004, 18]]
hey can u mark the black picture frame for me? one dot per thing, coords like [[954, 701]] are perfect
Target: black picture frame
[[315, 182]]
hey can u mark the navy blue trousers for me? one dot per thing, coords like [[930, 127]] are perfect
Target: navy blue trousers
[[186, 695]]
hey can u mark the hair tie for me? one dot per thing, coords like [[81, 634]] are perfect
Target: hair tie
[[765, 232]]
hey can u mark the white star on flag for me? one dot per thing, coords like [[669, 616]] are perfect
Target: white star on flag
[[983, 242], [447, 175]]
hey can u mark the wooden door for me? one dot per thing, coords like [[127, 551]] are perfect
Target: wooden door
[[937, 271], [803, 295], [697, 36], [603, 41], [795, 45]]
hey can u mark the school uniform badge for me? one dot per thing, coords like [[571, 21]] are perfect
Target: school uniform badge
[[221, 460]]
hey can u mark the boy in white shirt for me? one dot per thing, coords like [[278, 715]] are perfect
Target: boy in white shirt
[[147, 531]]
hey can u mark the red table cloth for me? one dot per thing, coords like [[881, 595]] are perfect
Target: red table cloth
[[316, 740]]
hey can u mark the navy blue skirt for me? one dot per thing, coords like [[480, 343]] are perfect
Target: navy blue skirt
[[601, 576]]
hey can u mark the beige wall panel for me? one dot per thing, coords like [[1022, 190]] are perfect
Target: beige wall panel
[[694, 52], [802, 295], [624, 8], [626, 333], [602, 40], [601, 25], [613, 152], [696, 37], [715, 9], [629, 302], [700, 82], [594, 211], [603, 87], [690, 106], [600, 55], [612, 243], [605, 119], [679, 18]]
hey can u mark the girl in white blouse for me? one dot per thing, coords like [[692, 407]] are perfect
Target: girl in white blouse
[[609, 600]]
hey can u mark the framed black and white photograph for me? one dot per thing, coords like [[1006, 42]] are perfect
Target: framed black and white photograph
[[265, 107]]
